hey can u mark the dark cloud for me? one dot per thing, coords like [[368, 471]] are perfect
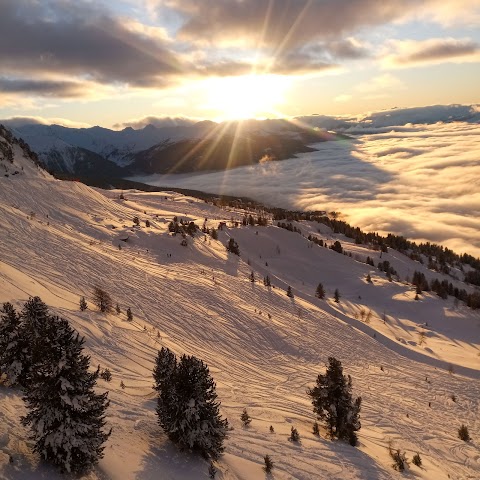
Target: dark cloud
[[282, 24], [46, 88], [80, 40], [435, 50]]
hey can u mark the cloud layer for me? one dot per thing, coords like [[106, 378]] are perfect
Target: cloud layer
[[420, 181]]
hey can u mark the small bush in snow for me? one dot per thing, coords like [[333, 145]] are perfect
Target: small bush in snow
[[294, 435], [399, 459], [232, 247], [129, 314], [416, 460], [463, 433], [102, 300], [83, 304], [268, 464], [336, 296], [106, 375], [245, 418]]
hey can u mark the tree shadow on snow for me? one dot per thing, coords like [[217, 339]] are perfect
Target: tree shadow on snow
[[167, 461]]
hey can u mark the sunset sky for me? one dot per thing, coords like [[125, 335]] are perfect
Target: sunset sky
[[112, 63]]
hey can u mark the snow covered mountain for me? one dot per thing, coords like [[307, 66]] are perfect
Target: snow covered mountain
[[202, 145], [415, 363]]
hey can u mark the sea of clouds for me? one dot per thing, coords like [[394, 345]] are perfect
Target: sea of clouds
[[419, 181]]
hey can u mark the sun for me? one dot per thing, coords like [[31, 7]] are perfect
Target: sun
[[249, 96]]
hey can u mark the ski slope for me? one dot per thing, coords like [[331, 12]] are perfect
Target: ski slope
[[59, 239]]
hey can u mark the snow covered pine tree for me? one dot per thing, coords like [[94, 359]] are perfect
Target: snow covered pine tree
[[66, 416], [11, 344], [332, 402], [187, 407]]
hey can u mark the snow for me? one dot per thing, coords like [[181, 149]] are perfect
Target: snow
[[57, 242]]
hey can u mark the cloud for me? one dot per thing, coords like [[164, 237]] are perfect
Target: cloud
[[159, 122], [80, 41], [48, 88], [407, 53], [287, 23], [16, 122], [414, 181]]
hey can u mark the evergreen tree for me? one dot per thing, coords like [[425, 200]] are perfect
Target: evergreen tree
[[129, 314], [294, 435], [252, 277], [333, 403], [83, 304], [320, 292], [336, 296], [268, 464], [232, 247], [164, 377], [66, 416], [187, 408], [34, 329], [289, 292], [245, 418], [11, 343], [102, 300]]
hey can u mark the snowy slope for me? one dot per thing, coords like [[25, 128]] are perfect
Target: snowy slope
[[58, 239]]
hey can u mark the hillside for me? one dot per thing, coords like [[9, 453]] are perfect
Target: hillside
[[61, 238]]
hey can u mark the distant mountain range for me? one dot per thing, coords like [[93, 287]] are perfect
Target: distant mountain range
[[198, 146], [203, 145]]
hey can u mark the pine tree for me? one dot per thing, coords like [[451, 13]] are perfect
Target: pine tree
[[83, 304], [294, 435], [164, 377], [33, 330], [289, 292], [336, 296], [232, 247], [129, 314], [102, 300], [187, 407], [245, 418], [333, 403], [11, 343], [463, 433], [320, 292], [66, 416], [268, 464], [252, 277]]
